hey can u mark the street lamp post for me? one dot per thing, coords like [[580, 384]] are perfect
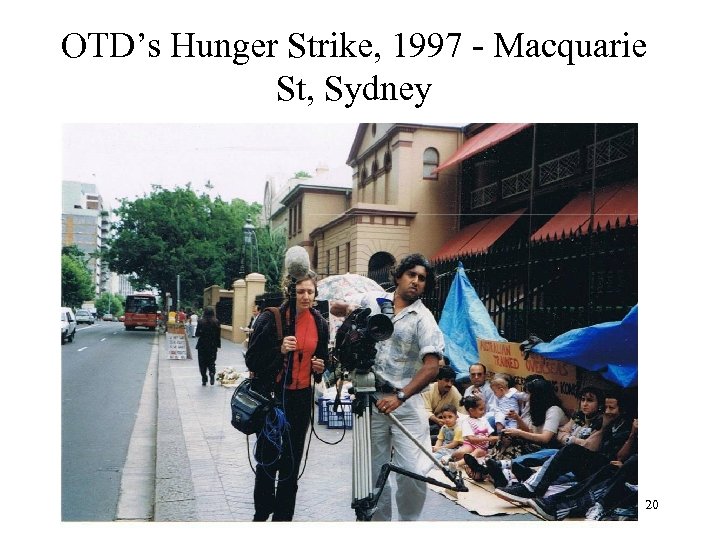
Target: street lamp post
[[249, 239]]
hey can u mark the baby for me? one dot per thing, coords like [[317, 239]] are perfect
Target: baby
[[507, 400]]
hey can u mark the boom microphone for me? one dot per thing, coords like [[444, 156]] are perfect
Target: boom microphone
[[297, 262]]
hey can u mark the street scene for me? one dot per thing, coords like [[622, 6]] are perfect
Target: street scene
[[475, 284]]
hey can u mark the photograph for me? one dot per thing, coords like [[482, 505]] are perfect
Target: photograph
[[450, 309]]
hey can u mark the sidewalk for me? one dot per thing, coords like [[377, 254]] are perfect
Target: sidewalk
[[203, 471]]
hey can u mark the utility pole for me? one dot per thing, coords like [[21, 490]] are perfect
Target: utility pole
[[177, 303]]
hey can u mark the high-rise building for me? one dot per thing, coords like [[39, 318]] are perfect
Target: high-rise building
[[86, 224]]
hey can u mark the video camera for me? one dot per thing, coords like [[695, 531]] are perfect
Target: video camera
[[356, 338]]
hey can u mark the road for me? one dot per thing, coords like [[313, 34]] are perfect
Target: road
[[103, 371]]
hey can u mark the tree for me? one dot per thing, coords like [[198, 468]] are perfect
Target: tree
[[110, 303], [76, 282], [271, 250], [179, 232], [303, 174]]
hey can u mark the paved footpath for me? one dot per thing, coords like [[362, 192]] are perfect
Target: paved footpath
[[203, 470]]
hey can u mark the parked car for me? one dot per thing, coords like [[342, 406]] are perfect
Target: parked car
[[108, 317], [68, 325], [83, 316]]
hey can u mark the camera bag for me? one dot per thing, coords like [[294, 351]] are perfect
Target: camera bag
[[249, 408]]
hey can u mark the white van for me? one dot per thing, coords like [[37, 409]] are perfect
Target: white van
[[68, 325]]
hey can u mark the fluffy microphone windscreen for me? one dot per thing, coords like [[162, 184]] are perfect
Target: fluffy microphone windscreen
[[297, 262]]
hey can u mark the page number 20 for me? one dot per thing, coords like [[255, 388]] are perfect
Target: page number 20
[[651, 504]]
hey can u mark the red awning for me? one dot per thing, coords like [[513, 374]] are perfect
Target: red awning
[[478, 236], [612, 203], [482, 141]]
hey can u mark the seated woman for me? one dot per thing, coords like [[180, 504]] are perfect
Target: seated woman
[[586, 420], [614, 441], [538, 438]]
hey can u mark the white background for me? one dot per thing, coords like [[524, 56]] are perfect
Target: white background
[[670, 93]]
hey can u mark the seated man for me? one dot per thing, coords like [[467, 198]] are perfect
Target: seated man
[[440, 393]]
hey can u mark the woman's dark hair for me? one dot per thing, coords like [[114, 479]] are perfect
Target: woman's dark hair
[[209, 314], [542, 397], [411, 261], [599, 394], [530, 378]]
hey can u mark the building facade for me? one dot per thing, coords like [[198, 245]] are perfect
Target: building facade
[[86, 224], [548, 224], [399, 205]]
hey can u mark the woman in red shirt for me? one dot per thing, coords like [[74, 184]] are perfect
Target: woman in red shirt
[[287, 378]]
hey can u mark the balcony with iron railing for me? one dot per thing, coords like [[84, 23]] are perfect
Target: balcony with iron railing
[[516, 184], [483, 196], [612, 149], [559, 168]]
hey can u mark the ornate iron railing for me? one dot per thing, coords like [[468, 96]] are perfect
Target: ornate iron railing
[[483, 196], [559, 168], [612, 149], [516, 184]]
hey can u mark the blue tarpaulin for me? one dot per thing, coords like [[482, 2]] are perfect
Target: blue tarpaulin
[[464, 319], [610, 348]]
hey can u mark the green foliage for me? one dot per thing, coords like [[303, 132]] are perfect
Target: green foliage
[[180, 232], [303, 174], [76, 280], [110, 303], [271, 250]]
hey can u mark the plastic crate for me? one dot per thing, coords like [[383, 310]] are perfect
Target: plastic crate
[[322, 416], [342, 419]]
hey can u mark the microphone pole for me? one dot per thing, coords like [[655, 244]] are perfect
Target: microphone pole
[[292, 304]]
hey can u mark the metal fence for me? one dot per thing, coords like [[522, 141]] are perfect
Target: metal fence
[[549, 287]]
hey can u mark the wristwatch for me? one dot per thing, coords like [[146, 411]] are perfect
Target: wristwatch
[[401, 395]]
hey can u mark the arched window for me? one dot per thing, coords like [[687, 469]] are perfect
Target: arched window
[[431, 159], [374, 168]]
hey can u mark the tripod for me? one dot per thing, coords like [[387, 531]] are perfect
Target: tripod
[[365, 497]]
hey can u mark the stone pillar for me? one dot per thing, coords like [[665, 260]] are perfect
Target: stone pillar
[[255, 287], [211, 295], [239, 310], [244, 292]]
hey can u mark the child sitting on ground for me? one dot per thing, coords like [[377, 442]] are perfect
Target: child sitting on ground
[[450, 434], [477, 433]]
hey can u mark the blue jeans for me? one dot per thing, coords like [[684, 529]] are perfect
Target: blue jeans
[[536, 458]]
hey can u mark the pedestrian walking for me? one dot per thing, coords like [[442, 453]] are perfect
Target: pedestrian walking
[[193, 323], [208, 332]]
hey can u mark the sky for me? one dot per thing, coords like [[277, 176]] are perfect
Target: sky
[[125, 160]]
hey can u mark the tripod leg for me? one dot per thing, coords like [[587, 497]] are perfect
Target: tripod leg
[[362, 462]]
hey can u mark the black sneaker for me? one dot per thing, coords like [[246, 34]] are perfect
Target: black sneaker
[[475, 466], [521, 472], [495, 471], [544, 509], [516, 493]]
